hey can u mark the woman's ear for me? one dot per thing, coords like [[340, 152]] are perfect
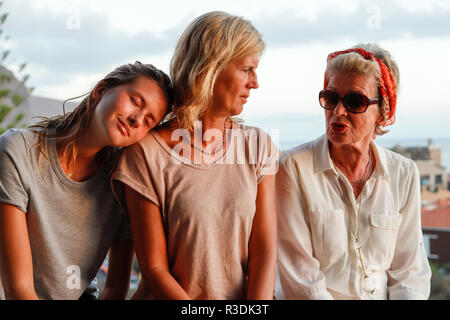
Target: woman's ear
[[98, 91], [378, 124]]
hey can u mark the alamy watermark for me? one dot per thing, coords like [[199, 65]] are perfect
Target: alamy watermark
[[73, 281], [374, 20], [73, 21], [244, 145]]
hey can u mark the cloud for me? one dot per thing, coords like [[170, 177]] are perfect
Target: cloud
[[365, 22], [64, 61], [52, 40], [43, 36]]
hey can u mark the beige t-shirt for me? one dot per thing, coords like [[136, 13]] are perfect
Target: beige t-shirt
[[207, 210]]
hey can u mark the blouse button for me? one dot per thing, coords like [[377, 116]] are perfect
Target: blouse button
[[368, 284]]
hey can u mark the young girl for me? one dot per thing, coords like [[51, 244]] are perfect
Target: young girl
[[58, 217]]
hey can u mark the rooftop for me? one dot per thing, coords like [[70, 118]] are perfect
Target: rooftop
[[437, 215], [429, 167]]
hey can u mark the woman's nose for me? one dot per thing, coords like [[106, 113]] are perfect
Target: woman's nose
[[340, 110], [253, 81], [135, 120]]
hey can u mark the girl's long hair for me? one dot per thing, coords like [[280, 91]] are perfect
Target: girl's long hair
[[67, 128]]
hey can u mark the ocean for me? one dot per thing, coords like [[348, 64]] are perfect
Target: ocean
[[292, 130], [442, 143]]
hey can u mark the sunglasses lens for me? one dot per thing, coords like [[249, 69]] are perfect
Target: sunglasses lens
[[328, 100], [355, 102]]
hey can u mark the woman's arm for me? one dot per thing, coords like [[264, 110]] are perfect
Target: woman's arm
[[119, 270], [299, 270], [16, 263], [263, 243], [410, 273], [149, 242]]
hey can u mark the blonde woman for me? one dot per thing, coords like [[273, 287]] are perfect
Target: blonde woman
[[349, 210], [58, 216], [202, 211]]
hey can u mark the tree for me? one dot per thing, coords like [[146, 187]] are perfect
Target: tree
[[13, 88], [440, 282]]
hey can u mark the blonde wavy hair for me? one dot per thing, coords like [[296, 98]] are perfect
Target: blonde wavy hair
[[203, 51], [354, 62]]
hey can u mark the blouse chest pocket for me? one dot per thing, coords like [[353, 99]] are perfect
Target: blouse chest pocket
[[383, 236], [330, 237]]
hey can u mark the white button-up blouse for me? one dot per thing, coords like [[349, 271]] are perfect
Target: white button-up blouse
[[319, 220]]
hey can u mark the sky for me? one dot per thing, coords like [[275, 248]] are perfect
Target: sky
[[69, 45]]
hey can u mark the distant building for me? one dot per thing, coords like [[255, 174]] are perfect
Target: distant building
[[13, 92], [436, 231], [429, 198], [432, 176], [429, 152], [435, 200], [44, 107], [428, 159]]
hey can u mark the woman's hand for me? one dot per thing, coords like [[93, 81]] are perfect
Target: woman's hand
[[16, 263]]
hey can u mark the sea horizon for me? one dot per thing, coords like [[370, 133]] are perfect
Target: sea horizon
[[442, 143]]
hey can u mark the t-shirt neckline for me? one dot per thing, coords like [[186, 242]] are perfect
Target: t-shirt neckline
[[56, 166], [189, 162]]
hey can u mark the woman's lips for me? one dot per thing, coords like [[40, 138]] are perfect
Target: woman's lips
[[339, 127], [123, 128], [244, 98]]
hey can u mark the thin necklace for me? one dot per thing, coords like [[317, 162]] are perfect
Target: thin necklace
[[367, 282], [367, 171], [215, 150]]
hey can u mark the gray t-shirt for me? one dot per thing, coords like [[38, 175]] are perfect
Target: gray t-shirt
[[71, 225]]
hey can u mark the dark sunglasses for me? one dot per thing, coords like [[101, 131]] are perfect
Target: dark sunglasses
[[353, 102]]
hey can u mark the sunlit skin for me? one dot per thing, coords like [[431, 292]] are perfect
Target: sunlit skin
[[350, 134], [231, 91], [126, 113], [232, 87], [123, 115]]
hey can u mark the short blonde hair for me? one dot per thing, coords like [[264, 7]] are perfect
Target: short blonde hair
[[203, 51], [354, 62]]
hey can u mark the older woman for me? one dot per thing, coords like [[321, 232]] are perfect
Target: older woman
[[349, 210], [202, 211]]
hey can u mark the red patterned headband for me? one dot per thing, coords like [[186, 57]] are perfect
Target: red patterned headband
[[388, 89]]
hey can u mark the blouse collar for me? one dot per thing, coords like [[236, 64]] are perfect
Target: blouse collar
[[322, 160]]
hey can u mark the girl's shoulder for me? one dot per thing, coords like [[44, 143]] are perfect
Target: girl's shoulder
[[17, 140], [17, 153]]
